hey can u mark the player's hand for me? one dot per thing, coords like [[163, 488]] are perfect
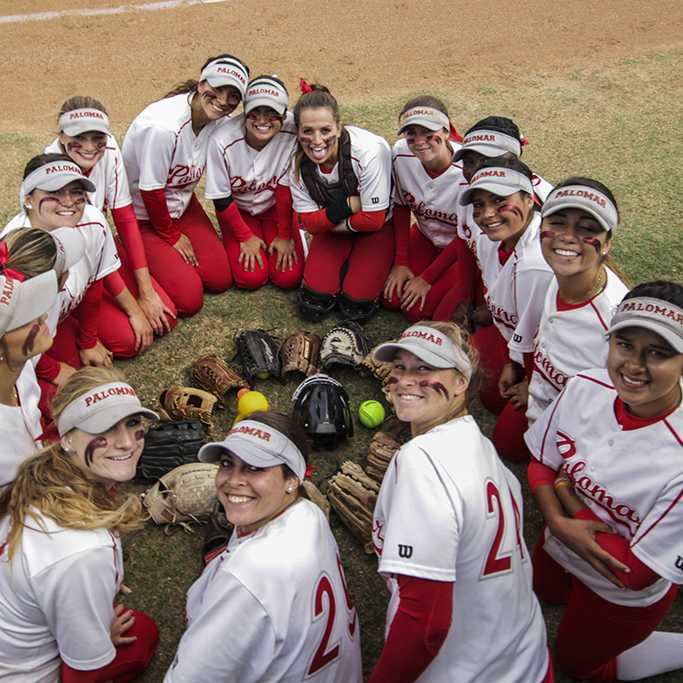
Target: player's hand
[[250, 253], [398, 276], [354, 203], [518, 395], [156, 312], [414, 292], [579, 536], [507, 379], [122, 621], [65, 371], [286, 253], [186, 250], [144, 336], [99, 356]]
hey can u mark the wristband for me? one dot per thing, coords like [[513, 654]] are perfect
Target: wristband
[[560, 483], [339, 210]]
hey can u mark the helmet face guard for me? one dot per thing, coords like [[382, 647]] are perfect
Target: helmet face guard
[[322, 405]]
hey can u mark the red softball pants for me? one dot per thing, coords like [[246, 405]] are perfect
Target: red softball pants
[[264, 226], [185, 284], [493, 355], [356, 264], [114, 330], [593, 631], [130, 661]]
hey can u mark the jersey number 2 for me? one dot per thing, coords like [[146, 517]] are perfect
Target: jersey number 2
[[497, 563], [323, 656]]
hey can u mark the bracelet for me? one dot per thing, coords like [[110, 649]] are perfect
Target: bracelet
[[560, 482]]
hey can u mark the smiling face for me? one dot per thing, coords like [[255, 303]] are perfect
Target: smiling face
[[423, 395], [262, 124], [646, 371], [319, 135], [212, 103], [503, 219], [252, 496], [110, 457], [430, 147], [573, 242], [59, 209], [85, 149]]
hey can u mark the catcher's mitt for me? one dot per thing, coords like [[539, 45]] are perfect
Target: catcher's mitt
[[315, 496], [300, 354], [353, 495], [214, 375], [375, 368], [344, 344], [185, 495], [384, 444], [169, 445], [178, 403], [257, 352]]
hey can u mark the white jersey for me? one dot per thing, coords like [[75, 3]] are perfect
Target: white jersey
[[371, 161], [161, 151], [570, 338], [250, 176], [100, 259], [433, 201], [632, 479], [108, 174], [272, 607], [56, 600], [514, 292], [449, 510], [20, 425]]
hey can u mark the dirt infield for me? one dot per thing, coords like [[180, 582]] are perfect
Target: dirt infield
[[380, 47]]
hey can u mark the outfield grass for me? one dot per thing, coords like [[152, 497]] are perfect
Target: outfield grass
[[619, 123]]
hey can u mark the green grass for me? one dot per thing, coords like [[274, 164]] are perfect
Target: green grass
[[619, 123]]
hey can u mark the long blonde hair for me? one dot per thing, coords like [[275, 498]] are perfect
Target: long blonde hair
[[49, 484], [31, 251]]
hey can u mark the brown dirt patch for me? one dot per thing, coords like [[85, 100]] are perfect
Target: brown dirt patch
[[358, 48]]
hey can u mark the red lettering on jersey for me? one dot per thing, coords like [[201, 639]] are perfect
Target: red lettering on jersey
[[322, 657], [239, 185], [509, 320], [566, 446], [548, 371], [183, 175], [7, 291], [378, 533], [421, 210]]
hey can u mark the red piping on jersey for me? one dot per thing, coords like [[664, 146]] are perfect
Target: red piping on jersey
[[660, 518], [232, 143], [552, 415], [673, 431], [360, 168], [563, 305], [597, 381], [602, 322]]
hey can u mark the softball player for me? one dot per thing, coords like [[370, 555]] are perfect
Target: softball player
[[448, 531], [52, 195], [507, 246], [341, 192], [579, 219], [164, 153], [32, 263], [608, 477], [248, 156], [427, 182], [60, 553], [84, 136], [274, 605]]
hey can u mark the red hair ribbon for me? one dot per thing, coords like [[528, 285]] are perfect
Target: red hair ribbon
[[453, 134], [524, 140], [309, 471], [305, 86], [4, 270]]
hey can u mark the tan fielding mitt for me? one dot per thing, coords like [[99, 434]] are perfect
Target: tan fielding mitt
[[187, 403], [185, 495], [374, 368], [353, 496], [316, 496], [216, 376], [300, 354], [384, 445]]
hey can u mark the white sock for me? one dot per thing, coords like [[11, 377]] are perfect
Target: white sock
[[658, 653]]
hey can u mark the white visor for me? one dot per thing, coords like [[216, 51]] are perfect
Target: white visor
[[79, 121], [70, 243], [429, 345], [226, 71], [266, 92], [24, 301], [497, 180], [258, 445], [427, 117], [490, 143], [586, 199], [101, 408], [53, 176]]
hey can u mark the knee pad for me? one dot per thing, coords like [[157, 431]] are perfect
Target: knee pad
[[354, 309], [314, 306]]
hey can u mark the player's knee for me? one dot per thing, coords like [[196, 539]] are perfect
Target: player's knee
[[286, 279], [217, 280], [250, 279]]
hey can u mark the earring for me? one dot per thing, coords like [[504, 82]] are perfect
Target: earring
[[290, 489], [29, 206]]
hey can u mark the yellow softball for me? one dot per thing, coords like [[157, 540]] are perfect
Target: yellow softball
[[371, 414], [250, 402]]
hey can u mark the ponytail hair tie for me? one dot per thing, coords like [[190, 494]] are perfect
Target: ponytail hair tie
[[524, 140], [4, 270], [305, 86], [453, 133]]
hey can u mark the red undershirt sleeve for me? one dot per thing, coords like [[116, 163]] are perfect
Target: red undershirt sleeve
[[114, 284], [315, 222], [155, 203], [401, 221], [540, 474], [47, 368], [283, 212], [129, 232], [367, 221], [231, 222], [418, 630], [88, 315], [442, 262], [640, 576]]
